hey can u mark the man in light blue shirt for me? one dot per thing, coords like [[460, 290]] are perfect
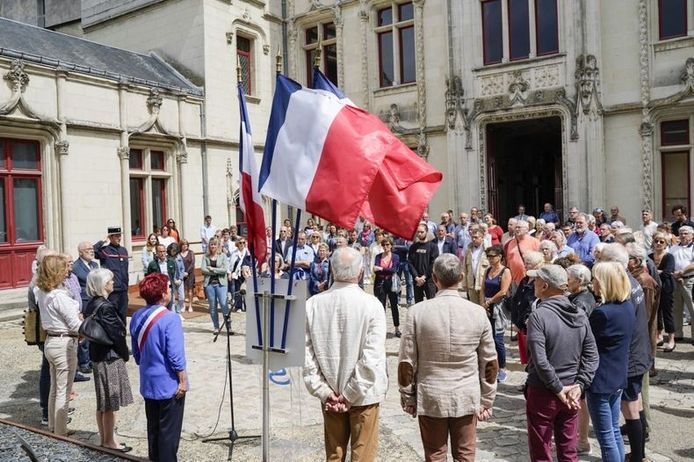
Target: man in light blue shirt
[[583, 240], [304, 257]]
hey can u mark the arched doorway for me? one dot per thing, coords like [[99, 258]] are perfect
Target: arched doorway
[[524, 166]]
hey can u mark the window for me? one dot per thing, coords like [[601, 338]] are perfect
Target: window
[[491, 25], [149, 180], [20, 192], [546, 27], [672, 18], [521, 18], [675, 142], [243, 55], [324, 36], [519, 29], [396, 44]]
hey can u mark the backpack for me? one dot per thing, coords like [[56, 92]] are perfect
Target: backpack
[[34, 334], [521, 304]]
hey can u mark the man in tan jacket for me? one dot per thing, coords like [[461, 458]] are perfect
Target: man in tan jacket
[[476, 265], [447, 366]]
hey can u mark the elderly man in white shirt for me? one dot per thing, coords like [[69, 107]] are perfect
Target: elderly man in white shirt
[[684, 279], [346, 359]]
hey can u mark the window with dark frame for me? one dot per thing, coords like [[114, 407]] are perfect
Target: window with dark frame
[[674, 132], [546, 27], [675, 165], [518, 23], [672, 18], [325, 36], [137, 207], [396, 44], [492, 37], [148, 191], [519, 29], [20, 192], [244, 56]]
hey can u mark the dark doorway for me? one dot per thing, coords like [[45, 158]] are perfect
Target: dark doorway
[[524, 166]]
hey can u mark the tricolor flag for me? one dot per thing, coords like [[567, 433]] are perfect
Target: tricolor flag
[[250, 201], [403, 186], [321, 155]]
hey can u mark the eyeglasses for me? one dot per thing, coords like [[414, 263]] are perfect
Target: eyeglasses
[[493, 255], [386, 245], [659, 241]]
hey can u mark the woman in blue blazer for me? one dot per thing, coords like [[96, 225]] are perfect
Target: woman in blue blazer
[[386, 265], [613, 323], [319, 271]]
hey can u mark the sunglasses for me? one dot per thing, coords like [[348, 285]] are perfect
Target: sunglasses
[[659, 241]]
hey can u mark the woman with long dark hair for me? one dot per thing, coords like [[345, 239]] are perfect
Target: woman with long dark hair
[[386, 266]]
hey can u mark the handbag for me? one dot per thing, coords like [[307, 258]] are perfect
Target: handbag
[[395, 283], [92, 330], [34, 333]]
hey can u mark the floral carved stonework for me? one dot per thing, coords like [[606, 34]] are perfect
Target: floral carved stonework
[[587, 84], [18, 79]]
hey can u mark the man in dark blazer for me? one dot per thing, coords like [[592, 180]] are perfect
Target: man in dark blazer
[[445, 243], [81, 268], [283, 243]]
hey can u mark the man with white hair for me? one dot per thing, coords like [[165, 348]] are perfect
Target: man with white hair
[[684, 278], [447, 384], [583, 240], [346, 359]]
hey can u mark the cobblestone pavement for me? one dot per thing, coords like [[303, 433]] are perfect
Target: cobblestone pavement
[[296, 421]]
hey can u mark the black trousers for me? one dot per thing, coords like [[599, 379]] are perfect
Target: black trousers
[[120, 299], [382, 292], [428, 289], [164, 424]]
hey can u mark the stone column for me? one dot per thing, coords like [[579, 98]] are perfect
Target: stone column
[[646, 130], [420, 64], [124, 156], [364, 29], [339, 41], [62, 146]]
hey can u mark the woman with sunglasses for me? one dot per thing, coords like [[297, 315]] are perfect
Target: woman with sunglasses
[[386, 265], [166, 239], [665, 263], [495, 287], [173, 232]]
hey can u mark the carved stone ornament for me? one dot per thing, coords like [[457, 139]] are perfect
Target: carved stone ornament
[[518, 89], [266, 49], [646, 129], [454, 98], [422, 145], [230, 37], [394, 119], [688, 75], [182, 157], [154, 101], [123, 152], [587, 82], [62, 147], [17, 77], [316, 4]]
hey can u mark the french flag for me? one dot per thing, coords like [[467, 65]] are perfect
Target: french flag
[[403, 187], [250, 201], [321, 154]]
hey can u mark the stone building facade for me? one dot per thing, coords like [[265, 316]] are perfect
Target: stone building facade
[[583, 103], [579, 103]]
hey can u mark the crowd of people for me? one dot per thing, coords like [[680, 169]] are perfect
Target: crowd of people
[[589, 300]]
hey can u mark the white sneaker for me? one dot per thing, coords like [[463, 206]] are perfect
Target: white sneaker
[[584, 450]]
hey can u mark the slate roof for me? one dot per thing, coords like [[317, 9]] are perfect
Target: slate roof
[[53, 49]]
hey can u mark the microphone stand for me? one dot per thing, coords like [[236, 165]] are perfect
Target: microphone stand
[[233, 436]]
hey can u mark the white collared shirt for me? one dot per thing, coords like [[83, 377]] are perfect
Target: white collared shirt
[[683, 254]]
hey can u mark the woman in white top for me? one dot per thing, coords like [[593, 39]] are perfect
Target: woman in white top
[[149, 251], [166, 239], [60, 317]]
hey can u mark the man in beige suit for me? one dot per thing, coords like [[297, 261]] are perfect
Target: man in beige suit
[[476, 265], [447, 366]]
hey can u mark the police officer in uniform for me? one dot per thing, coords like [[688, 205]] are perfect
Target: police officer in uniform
[[115, 258]]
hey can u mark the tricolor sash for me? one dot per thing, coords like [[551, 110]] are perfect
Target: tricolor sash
[[143, 330]]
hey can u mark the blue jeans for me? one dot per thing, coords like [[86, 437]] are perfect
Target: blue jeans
[[409, 283], [500, 349], [604, 412], [216, 293], [83, 355]]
